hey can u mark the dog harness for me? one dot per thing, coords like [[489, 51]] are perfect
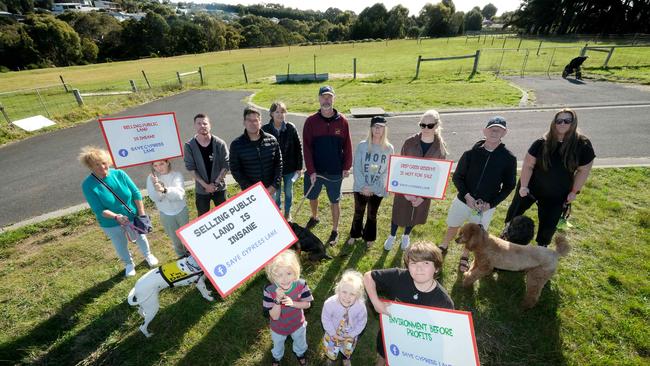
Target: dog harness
[[172, 272]]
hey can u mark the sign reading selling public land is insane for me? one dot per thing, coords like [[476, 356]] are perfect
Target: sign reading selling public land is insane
[[421, 335], [238, 238], [141, 140], [418, 176]]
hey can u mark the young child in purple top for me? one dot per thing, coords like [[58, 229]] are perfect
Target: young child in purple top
[[284, 301], [344, 316]]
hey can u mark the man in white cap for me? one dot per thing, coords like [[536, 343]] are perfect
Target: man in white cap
[[485, 176]]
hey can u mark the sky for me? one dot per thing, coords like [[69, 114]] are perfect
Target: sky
[[357, 6]]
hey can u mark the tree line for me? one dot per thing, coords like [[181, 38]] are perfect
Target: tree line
[[72, 38]]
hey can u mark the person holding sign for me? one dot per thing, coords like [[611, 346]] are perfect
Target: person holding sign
[[414, 285], [409, 210], [328, 157], [206, 156], [344, 317], [255, 155], [287, 135], [485, 176], [166, 190], [105, 189], [284, 301], [370, 170], [555, 169]]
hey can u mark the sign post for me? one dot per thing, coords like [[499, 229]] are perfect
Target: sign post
[[421, 335], [235, 240], [418, 176], [141, 140]]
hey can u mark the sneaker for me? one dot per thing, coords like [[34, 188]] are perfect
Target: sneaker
[[288, 217], [334, 238], [152, 261], [351, 241], [388, 244], [406, 240], [129, 270], [311, 223]]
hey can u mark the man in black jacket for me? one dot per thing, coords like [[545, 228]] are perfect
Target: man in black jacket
[[485, 176], [255, 155]]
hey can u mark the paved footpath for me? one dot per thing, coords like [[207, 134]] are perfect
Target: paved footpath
[[41, 176]]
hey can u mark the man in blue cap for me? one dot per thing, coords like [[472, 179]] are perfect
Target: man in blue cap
[[327, 149], [485, 176]]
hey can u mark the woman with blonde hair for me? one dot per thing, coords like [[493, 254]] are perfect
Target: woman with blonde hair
[[101, 189], [370, 171], [555, 169], [409, 210]]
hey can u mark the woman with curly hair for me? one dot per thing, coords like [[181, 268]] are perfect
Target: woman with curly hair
[[555, 169]]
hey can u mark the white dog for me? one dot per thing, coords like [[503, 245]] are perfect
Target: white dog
[[144, 294]]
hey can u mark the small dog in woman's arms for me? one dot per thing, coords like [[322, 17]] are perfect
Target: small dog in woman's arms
[[490, 252], [144, 294]]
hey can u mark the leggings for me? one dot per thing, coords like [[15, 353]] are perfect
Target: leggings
[[549, 211], [393, 229]]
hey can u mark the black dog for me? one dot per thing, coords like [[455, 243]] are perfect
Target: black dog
[[520, 230], [309, 242], [574, 66]]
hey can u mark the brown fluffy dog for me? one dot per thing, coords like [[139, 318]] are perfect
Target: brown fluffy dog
[[490, 252]]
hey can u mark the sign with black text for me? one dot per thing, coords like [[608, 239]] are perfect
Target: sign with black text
[[141, 140], [421, 335], [418, 176], [235, 240]]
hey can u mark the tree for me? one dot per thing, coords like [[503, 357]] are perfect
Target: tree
[[489, 11], [436, 19], [89, 50], [56, 42], [371, 23], [397, 22], [457, 24], [19, 6], [17, 49], [473, 20]]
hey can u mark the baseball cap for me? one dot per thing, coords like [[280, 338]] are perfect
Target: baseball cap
[[326, 89], [377, 119], [496, 121]]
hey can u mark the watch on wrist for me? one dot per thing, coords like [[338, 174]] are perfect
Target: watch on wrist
[[277, 301], [165, 190]]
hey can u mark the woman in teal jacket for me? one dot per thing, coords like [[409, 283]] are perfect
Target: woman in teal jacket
[[111, 214]]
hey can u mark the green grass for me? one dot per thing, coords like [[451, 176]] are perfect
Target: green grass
[[63, 293], [385, 69]]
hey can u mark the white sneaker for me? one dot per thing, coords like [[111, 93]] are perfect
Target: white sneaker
[[388, 244], [406, 240], [129, 270], [152, 261]]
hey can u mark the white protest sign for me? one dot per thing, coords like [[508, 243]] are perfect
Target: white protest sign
[[420, 335], [140, 140], [235, 240], [418, 176]]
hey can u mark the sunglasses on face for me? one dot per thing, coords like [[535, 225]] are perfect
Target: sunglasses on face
[[566, 121], [429, 125]]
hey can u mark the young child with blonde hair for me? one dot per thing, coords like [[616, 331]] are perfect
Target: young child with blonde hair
[[344, 317], [284, 301]]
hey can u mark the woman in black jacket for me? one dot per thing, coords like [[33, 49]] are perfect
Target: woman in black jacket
[[291, 147]]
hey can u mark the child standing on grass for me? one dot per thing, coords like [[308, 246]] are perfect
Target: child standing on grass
[[344, 316], [284, 301], [166, 190], [415, 285]]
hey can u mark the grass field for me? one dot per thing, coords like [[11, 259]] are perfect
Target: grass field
[[386, 73], [63, 294]]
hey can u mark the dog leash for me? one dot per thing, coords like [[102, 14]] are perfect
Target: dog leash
[[304, 198]]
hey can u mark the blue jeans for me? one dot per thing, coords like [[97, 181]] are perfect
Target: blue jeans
[[171, 223], [288, 193], [120, 243], [299, 342]]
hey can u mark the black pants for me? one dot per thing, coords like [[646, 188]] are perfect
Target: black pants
[[203, 201], [549, 211], [369, 231]]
